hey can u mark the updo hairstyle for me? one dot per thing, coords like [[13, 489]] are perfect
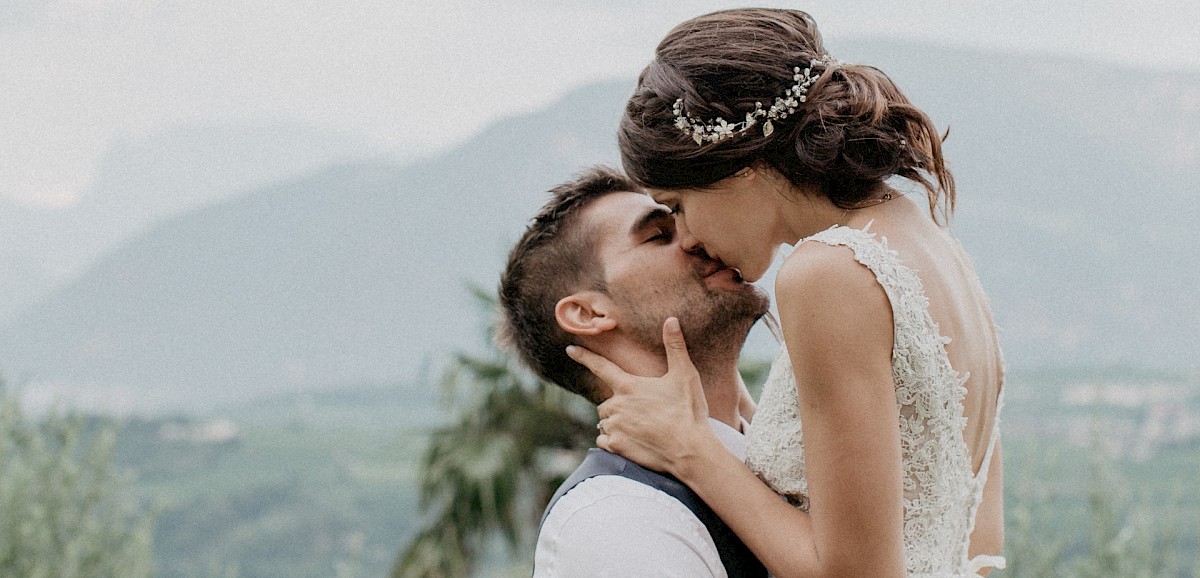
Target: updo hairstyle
[[855, 130]]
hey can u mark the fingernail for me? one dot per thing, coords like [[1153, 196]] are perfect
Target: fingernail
[[672, 324], [571, 350]]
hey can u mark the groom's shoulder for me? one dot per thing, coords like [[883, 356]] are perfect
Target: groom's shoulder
[[614, 495], [619, 526], [617, 498], [606, 484]]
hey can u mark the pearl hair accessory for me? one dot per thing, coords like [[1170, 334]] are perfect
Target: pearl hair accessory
[[720, 129]]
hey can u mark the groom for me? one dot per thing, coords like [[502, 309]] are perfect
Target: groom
[[601, 266]]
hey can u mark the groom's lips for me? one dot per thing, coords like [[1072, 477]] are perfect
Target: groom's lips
[[733, 273], [715, 266]]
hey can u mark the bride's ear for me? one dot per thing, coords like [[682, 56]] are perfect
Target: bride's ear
[[585, 313]]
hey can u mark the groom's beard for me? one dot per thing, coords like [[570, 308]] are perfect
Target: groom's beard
[[714, 322]]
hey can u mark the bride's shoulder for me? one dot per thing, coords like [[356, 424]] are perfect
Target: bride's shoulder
[[832, 309], [820, 277], [809, 253], [814, 264]]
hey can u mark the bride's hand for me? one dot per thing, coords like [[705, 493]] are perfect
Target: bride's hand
[[657, 422]]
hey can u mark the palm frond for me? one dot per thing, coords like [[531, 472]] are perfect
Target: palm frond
[[490, 471]]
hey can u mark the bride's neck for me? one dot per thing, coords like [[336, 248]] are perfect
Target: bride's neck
[[803, 213]]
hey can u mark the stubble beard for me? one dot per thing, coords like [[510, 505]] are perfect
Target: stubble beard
[[715, 322]]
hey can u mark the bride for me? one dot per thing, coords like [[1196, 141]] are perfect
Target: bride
[[879, 421]]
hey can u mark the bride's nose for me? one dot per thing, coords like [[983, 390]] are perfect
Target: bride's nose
[[687, 241]]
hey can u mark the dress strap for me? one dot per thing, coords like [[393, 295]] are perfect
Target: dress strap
[[899, 282], [862, 241]]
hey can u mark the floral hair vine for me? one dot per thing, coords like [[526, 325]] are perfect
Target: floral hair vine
[[720, 129]]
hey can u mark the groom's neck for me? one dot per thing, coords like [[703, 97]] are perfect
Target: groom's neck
[[722, 390], [718, 373]]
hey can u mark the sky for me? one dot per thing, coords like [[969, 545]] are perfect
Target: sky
[[415, 76]]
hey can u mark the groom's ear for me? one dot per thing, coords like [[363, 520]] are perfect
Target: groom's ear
[[585, 313]]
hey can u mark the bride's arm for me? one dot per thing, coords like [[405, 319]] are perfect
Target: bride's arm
[[838, 328], [837, 324]]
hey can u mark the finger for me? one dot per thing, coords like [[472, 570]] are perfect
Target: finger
[[597, 364], [604, 442], [677, 353], [606, 408], [605, 425]]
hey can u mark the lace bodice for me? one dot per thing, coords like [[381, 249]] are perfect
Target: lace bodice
[[941, 494]]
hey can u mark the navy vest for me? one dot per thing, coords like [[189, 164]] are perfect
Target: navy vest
[[739, 562]]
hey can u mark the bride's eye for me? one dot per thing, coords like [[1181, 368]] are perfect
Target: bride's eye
[[662, 234]]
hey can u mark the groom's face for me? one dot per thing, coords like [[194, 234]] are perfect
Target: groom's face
[[649, 277]]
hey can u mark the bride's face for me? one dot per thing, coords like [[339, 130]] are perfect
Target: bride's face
[[733, 220]]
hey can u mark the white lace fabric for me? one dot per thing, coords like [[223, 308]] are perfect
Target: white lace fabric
[[941, 493]]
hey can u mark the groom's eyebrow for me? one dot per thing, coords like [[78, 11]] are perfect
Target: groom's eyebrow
[[650, 219]]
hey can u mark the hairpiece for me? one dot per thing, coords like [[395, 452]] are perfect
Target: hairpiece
[[720, 129]]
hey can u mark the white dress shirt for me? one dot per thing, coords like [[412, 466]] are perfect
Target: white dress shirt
[[614, 526]]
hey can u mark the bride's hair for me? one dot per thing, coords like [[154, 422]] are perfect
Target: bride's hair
[[854, 130]]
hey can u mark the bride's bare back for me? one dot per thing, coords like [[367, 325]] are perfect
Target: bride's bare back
[[959, 306]]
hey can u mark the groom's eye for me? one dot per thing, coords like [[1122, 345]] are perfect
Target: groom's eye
[[662, 234]]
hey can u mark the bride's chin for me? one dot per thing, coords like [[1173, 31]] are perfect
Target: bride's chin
[[752, 274], [752, 267], [751, 278]]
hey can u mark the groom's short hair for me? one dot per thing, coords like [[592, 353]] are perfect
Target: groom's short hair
[[553, 259]]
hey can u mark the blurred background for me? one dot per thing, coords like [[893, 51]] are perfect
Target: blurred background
[[254, 241]]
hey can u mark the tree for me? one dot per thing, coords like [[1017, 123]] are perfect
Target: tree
[[64, 509], [489, 474]]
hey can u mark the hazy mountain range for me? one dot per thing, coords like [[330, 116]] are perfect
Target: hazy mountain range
[[1077, 182], [143, 179]]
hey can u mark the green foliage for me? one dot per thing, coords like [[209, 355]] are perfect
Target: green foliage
[[754, 374], [490, 473], [64, 510], [1108, 534], [1121, 539], [312, 486]]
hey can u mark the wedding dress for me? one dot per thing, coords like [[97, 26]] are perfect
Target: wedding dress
[[941, 493]]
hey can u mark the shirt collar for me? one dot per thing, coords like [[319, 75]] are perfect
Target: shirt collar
[[734, 440]]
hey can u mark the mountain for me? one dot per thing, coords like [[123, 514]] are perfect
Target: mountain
[[1077, 183], [351, 274], [141, 179]]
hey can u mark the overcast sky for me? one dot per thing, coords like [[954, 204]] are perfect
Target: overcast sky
[[419, 75]]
